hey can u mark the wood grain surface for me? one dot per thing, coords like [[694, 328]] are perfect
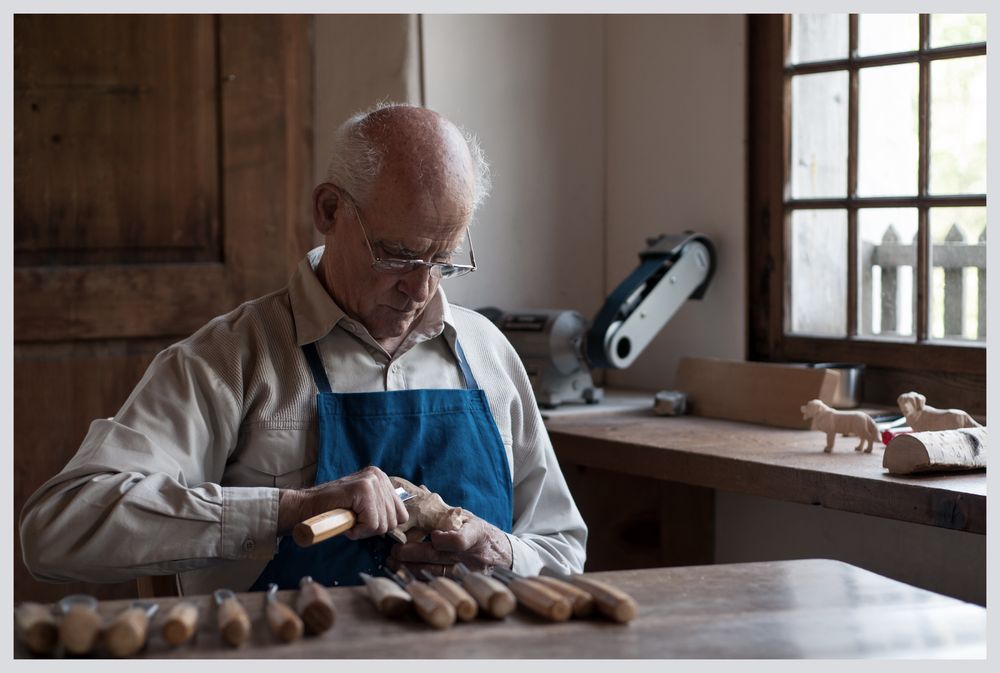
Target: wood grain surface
[[787, 609], [776, 463]]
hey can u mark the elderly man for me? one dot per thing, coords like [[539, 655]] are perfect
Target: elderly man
[[309, 398]]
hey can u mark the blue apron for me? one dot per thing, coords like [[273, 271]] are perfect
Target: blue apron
[[445, 439]]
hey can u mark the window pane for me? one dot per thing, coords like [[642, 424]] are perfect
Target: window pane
[[819, 135], [819, 272], [958, 126], [949, 29], [887, 33], [887, 257], [958, 273], [887, 130], [818, 37]]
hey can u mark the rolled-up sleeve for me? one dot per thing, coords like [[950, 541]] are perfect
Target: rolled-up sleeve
[[142, 495]]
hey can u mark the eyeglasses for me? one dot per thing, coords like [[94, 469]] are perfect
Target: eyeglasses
[[401, 266]]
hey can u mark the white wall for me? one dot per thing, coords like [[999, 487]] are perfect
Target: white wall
[[676, 139], [532, 89]]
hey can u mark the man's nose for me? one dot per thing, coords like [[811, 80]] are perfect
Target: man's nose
[[417, 284]]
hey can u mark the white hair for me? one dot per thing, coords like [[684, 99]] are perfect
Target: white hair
[[355, 161]]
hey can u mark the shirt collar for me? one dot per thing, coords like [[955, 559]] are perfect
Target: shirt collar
[[316, 314]]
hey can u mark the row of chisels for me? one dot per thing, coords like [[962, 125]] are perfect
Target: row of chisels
[[75, 627]]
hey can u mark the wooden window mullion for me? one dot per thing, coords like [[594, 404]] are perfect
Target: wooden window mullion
[[923, 274], [852, 179]]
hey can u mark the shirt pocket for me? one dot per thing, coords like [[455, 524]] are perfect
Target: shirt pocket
[[284, 458]]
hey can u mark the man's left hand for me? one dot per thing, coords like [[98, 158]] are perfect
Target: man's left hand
[[478, 544]]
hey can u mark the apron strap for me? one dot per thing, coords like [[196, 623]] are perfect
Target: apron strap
[[316, 367], [470, 380]]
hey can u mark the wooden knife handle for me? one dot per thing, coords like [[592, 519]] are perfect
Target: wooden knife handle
[[464, 604], [180, 623], [389, 598], [610, 601], [234, 623], [323, 527], [582, 601], [315, 607], [491, 594], [541, 600], [79, 629], [36, 627], [284, 622], [126, 634], [432, 607]]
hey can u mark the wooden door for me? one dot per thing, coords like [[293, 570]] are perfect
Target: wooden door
[[161, 177]]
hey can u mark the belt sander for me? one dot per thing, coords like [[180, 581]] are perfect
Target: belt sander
[[560, 350]]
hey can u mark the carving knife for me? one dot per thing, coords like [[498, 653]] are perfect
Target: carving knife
[[332, 523]]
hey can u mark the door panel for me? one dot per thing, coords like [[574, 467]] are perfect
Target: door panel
[[160, 178]]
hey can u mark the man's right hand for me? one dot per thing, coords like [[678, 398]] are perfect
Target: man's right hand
[[368, 493]]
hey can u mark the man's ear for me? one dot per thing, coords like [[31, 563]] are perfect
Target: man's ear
[[326, 198]]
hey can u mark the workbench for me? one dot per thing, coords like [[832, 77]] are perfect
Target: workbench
[[786, 609], [663, 473]]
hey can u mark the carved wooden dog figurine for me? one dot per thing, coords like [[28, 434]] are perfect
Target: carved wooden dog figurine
[[831, 422], [427, 510], [922, 417]]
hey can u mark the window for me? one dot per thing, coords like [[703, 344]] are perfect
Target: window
[[868, 195]]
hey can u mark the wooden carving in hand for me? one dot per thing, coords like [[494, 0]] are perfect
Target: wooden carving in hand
[[428, 511]]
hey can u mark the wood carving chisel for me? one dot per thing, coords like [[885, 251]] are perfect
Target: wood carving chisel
[[432, 607], [80, 626], [234, 622], [389, 598], [493, 596], [582, 601], [285, 623], [535, 596], [465, 605], [609, 600], [330, 524], [36, 627], [315, 606], [180, 623], [126, 635]]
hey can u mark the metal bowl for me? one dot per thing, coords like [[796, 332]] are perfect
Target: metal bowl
[[848, 392]]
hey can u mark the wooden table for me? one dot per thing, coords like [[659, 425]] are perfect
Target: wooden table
[[758, 460], [787, 609]]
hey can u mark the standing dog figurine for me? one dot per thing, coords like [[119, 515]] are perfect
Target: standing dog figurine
[[831, 422], [922, 417]]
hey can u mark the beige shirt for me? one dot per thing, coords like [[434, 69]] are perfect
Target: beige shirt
[[185, 478]]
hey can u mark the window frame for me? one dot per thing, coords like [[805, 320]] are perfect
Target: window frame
[[930, 364]]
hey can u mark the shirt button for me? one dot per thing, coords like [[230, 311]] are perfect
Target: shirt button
[[249, 545]]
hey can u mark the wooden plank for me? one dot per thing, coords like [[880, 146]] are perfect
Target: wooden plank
[[787, 609], [754, 392], [787, 465]]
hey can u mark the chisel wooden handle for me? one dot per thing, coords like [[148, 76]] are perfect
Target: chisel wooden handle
[[541, 600], [79, 629], [582, 601], [234, 622], [180, 623], [126, 634], [315, 607], [464, 604], [36, 627], [285, 624], [492, 596], [610, 601], [389, 598], [432, 607], [323, 527]]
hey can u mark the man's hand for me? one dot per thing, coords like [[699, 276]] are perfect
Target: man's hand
[[368, 493], [478, 544]]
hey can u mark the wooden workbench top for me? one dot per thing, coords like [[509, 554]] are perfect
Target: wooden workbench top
[[786, 609], [764, 461]]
